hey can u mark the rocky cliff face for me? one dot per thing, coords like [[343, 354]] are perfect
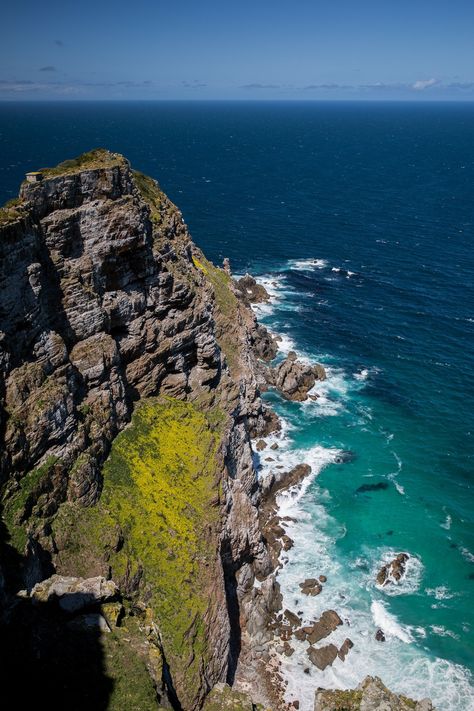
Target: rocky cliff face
[[110, 315]]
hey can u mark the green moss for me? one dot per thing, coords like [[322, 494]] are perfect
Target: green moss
[[97, 158], [11, 211], [160, 485], [16, 505], [132, 687]]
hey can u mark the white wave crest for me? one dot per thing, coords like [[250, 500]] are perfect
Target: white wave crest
[[388, 623], [409, 583], [307, 265]]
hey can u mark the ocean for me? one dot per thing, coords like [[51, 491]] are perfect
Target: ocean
[[359, 218]]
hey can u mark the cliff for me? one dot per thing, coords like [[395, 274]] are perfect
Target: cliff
[[128, 396], [138, 549]]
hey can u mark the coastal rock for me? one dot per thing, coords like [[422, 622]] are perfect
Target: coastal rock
[[295, 379], [393, 571], [370, 695], [251, 290], [310, 586], [322, 657], [379, 636], [326, 624], [344, 649]]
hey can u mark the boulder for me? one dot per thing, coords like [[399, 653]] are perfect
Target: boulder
[[379, 636], [326, 624], [261, 445], [344, 648], [295, 379], [323, 657], [74, 594], [293, 619]]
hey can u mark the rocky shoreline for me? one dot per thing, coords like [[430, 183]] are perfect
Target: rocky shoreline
[[133, 518]]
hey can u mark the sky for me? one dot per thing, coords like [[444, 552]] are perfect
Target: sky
[[237, 49]]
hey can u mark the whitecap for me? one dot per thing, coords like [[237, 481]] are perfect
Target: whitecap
[[388, 623], [466, 554], [409, 583], [443, 632], [440, 593], [307, 264]]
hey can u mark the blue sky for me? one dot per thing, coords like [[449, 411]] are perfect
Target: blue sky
[[264, 49]]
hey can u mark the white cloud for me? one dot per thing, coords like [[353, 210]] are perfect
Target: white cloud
[[422, 84]]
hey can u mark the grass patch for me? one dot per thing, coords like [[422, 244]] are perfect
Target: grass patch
[[97, 158], [11, 211], [17, 505], [161, 490]]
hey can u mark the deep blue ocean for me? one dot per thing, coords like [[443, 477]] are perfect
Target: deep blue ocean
[[359, 217]]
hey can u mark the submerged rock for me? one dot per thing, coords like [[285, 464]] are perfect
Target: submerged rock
[[379, 486]]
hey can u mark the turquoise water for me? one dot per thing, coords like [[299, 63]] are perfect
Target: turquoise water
[[382, 196]]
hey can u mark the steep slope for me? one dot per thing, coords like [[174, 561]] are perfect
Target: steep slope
[[106, 303]]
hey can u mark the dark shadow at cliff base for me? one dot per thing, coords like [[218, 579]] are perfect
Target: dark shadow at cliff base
[[48, 659], [233, 611]]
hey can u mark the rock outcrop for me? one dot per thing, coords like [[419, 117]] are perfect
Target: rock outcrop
[[393, 571], [370, 695], [295, 379]]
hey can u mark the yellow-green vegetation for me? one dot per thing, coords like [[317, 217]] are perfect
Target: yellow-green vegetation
[[132, 687], [97, 158], [161, 489], [18, 504], [11, 211], [197, 263]]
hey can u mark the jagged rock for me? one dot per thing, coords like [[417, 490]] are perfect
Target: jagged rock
[[261, 445], [293, 619], [274, 446], [74, 594], [224, 698], [294, 379], [323, 627], [310, 586], [253, 292], [370, 695], [393, 571], [322, 657], [379, 636], [344, 649]]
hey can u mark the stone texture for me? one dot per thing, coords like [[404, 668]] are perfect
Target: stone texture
[[323, 656], [370, 695], [74, 594], [295, 379]]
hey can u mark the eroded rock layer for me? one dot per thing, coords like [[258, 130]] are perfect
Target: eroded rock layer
[[107, 304]]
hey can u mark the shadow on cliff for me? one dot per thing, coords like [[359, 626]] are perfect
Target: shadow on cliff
[[46, 656]]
